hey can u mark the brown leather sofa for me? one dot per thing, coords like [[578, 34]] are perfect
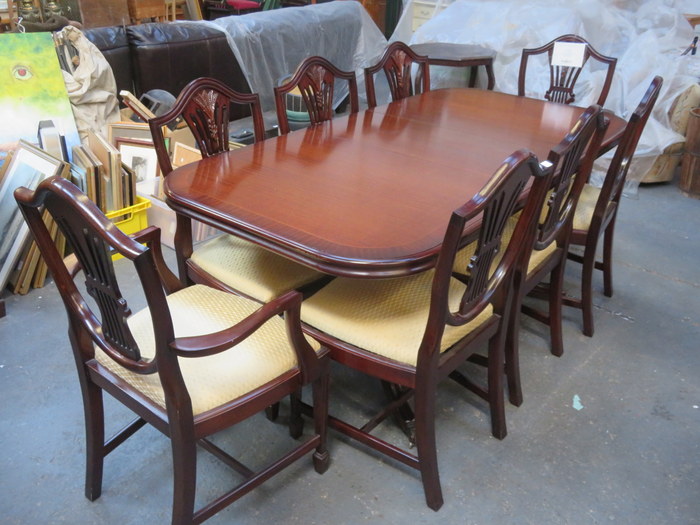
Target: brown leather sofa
[[169, 56]]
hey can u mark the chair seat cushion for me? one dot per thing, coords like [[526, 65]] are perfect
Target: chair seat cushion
[[387, 317], [586, 207], [214, 380], [251, 269]]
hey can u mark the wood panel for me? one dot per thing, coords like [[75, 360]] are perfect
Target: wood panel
[[103, 13]]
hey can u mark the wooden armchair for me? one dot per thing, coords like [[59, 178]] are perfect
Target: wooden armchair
[[226, 262], [597, 209], [415, 331], [196, 361], [315, 80], [396, 62], [562, 79]]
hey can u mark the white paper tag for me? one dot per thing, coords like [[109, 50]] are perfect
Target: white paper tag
[[569, 54]]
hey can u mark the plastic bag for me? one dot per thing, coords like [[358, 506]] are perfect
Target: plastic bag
[[647, 37], [92, 89]]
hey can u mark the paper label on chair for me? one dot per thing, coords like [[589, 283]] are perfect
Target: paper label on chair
[[569, 54]]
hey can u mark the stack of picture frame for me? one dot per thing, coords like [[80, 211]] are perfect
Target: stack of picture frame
[[27, 167]]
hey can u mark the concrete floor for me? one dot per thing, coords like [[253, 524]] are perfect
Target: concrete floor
[[630, 455]]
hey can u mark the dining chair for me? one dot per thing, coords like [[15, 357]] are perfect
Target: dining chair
[[562, 79], [226, 261], [571, 160], [397, 62], [195, 361], [597, 210], [415, 331], [315, 81]]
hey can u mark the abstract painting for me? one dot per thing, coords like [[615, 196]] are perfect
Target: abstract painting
[[32, 90]]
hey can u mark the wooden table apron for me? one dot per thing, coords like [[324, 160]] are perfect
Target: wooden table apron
[[370, 194]]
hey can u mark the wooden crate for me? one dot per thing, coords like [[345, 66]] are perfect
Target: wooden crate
[[141, 9]]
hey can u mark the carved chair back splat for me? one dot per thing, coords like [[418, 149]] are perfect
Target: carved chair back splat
[[204, 104], [572, 161], [562, 79], [397, 62], [447, 306], [315, 78]]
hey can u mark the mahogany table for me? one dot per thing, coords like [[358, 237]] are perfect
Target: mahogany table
[[459, 55], [369, 194]]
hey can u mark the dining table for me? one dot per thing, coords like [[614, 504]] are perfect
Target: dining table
[[370, 194]]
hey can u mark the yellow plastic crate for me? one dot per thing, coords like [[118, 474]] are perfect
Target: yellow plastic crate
[[132, 219]]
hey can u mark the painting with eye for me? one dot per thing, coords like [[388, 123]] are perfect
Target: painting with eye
[[32, 90]]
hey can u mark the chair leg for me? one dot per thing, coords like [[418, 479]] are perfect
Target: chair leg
[[425, 444], [296, 422], [272, 412], [512, 357], [556, 287], [320, 398], [184, 448], [587, 290], [95, 439], [495, 388], [607, 259]]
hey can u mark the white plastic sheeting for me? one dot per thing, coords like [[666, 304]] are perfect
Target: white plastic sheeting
[[269, 45], [646, 36]]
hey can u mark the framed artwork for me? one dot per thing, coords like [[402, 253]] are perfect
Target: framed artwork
[[184, 154], [28, 167], [129, 130], [140, 156], [32, 90]]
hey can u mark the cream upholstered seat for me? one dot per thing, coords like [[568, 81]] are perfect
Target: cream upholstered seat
[[197, 361], [251, 269], [387, 317], [214, 380]]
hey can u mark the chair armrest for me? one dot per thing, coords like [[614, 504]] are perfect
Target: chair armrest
[[289, 303], [151, 237]]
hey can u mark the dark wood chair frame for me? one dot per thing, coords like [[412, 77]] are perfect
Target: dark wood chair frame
[[493, 205], [605, 212], [92, 236], [397, 62], [315, 78], [562, 79], [205, 106], [572, 161]]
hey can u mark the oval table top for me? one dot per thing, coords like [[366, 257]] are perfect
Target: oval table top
[[370, 194]]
